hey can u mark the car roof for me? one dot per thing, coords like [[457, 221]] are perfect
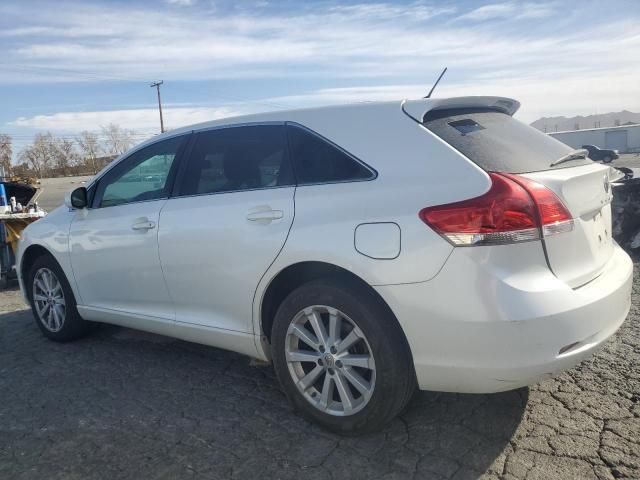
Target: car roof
[[414, 108], [283, 115]]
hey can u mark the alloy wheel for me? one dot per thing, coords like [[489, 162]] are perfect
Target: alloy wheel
[[330, 360], [48, 298]]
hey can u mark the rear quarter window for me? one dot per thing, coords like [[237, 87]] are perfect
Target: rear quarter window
[[318, 161], [496, 142]]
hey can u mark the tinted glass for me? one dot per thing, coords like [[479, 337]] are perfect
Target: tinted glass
[[142, 176], [318, 161], [497, 142], [237, 158]]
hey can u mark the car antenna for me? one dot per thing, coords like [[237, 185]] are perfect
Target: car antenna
[[436, 84]]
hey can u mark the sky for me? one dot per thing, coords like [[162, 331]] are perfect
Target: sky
[[68, 66]]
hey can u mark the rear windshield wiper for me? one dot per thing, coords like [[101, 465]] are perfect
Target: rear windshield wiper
[[580, 153]]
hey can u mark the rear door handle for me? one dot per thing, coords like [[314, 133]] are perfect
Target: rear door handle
[[145, 225], [265, 215]]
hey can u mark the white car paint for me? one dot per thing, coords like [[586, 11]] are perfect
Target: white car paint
[[378, 240], [115, 264], [483, 326], [478, 319], [581, 189], [222, 244]]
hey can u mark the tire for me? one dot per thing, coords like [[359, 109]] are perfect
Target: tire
[[383, 362], [66, 324], [607, 159]]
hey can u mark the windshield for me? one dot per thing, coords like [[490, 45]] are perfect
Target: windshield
[[497, 142]]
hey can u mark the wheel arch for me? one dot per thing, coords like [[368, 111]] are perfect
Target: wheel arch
[[29, 256], [27, 259], [294, 275]]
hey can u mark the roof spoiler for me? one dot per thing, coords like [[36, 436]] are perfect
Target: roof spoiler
[[417, 109]]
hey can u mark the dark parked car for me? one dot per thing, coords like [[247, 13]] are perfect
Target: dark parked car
[[603, 154]]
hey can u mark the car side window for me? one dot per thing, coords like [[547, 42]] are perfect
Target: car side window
[[237, 158], [318, 161], [142, 176]]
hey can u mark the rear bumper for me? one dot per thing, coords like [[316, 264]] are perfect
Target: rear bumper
[[477, 328]]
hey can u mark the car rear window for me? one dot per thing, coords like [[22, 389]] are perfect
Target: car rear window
[[497, 142]]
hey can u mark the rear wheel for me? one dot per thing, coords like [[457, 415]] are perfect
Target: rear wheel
[[341, 357], [52, 301]]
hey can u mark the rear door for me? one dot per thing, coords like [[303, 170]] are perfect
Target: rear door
[[227, 222], [498, 143]]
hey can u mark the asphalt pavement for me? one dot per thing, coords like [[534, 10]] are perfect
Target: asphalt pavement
[[122, 404]]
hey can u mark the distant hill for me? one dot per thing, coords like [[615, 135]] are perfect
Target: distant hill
[[613, 119]]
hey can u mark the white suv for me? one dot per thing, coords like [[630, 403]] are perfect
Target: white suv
[[364, 249]]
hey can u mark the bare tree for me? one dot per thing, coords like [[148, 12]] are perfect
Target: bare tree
[[90, 147], [40, 156], [118, 140], [22, 169], [54, 156], [6, 151], [65, 155]]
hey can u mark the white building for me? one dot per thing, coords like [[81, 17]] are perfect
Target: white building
[[625, 138]]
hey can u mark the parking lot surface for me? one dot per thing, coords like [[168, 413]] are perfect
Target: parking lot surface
[[631, 160], [122, 404]]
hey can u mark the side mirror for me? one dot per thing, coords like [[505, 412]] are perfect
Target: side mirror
[[76, 198]]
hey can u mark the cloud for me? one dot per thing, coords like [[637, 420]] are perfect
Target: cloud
[[508, 10], [142, 120], [375, 40], [365, 51], [180, 3], [415, 11]]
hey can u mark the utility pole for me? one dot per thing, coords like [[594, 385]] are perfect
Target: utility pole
[[157, 85]]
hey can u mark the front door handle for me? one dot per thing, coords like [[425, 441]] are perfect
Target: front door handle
[[265, 216], [143, 225]]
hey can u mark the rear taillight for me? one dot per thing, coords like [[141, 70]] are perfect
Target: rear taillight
[[554, 216], [515, 209]]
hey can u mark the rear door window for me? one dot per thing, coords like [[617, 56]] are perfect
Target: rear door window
[[497, 142], [237, 158], [316, 160]]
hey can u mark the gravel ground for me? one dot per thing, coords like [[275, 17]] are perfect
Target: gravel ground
[[122, 404], [630, 160]]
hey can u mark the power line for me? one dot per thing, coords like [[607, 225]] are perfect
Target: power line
[[71, 137], [84, 73], [112, 77], [68, 134]]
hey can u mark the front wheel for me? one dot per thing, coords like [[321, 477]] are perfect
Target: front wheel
[[52, 301], [607, 159], [341, 357]]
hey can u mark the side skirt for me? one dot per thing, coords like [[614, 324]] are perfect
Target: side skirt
[[240, 342]]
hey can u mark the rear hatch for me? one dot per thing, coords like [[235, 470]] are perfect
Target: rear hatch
[[496, 142]]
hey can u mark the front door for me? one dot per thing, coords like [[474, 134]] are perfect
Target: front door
[[114, 244], [226, 224]]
